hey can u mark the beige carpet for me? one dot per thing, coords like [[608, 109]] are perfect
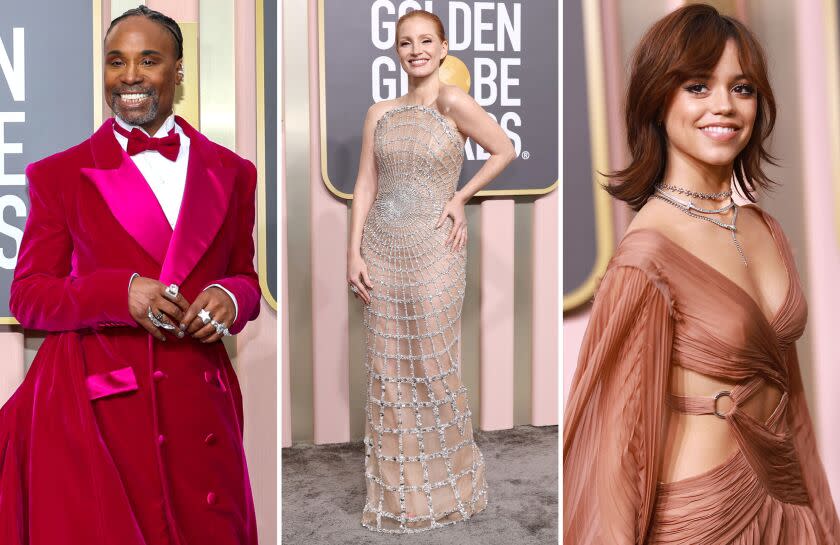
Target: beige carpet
[[323, 494]]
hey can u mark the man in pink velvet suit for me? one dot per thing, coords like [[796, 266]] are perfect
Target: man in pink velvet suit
[[137, 260]]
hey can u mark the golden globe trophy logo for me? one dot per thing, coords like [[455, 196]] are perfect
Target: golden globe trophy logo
[[504, 54]]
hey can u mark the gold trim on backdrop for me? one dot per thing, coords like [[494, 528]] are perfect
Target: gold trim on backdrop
[[262, 233], [217, 75], [187, 94], [599, 153], [516, 192], [322, 107], [832, 34]]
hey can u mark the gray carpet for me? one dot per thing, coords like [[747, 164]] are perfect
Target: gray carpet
[[324, 493]]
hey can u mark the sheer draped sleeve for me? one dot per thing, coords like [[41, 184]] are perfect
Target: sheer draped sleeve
[[799, 421], [614, 417]]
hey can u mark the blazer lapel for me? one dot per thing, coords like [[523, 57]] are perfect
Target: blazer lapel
[[206, 199], [127, 194]]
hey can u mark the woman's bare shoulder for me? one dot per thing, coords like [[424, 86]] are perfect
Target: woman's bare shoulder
[[378, 109], [755, 212], [655, 215], [654, 230], [452, 97]]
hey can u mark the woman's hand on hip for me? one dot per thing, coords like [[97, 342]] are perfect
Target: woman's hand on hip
[[454, 209], [218, 310], [146, 294], [358, 278]]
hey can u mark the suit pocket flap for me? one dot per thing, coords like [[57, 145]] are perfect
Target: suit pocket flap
[[111, 383]]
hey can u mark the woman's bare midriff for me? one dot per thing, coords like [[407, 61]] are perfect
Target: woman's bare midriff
[[695, 444]]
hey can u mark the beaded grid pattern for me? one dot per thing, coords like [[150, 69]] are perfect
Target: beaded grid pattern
[[422, 467]]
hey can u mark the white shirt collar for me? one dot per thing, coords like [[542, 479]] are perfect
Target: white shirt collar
[[164, 129]]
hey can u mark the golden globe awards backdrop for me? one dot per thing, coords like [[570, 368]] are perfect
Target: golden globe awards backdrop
[[503, 53], [46, 104]]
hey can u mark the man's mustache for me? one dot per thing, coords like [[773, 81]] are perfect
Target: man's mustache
[[127, 90]]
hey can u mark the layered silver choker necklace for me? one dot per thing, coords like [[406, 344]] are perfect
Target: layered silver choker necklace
[[689, 208]]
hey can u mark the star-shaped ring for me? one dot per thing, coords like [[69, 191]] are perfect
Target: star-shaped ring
[[204, 316]]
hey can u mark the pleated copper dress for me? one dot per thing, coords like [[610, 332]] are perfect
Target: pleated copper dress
[[657, 306], [422, 466]]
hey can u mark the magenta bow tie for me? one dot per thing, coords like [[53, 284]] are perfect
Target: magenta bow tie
[[139, 141]]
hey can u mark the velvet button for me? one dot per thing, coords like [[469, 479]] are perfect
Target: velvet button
[[211, 498], [159, 376], [161, 439], [210, 439]]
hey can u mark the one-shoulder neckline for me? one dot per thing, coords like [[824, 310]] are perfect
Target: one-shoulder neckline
[[783, 254], [451, 130]]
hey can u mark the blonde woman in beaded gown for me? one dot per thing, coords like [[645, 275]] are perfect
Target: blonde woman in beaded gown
[[406, 263]]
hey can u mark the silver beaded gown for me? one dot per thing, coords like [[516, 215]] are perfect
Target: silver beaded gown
[[422, 467]]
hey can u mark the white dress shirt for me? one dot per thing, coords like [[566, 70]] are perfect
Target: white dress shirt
[[167, 179]]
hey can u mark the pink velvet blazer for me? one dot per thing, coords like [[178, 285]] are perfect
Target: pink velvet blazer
[[114, 437]]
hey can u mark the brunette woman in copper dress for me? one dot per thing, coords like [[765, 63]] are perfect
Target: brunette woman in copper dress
[[686, 421]]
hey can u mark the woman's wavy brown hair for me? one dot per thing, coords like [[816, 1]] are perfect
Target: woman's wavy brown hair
[[684, 44]]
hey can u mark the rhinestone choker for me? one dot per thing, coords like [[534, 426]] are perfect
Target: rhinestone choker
[[696, 194]]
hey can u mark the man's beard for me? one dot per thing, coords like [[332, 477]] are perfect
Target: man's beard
[[136, 118]]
